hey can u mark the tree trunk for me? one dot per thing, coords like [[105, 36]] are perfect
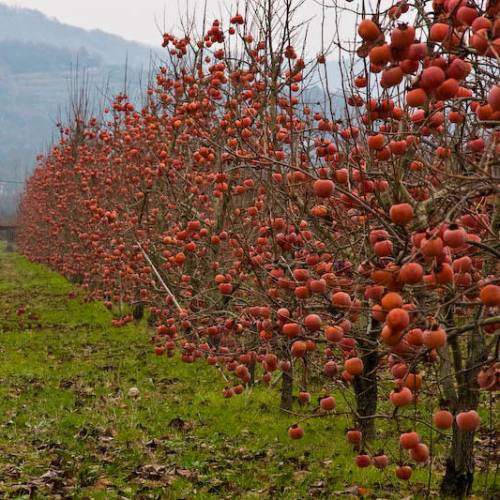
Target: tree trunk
[[138, 310], [366, 390], [286, 390], [251, 369], [457, 482], [459, 476], [365, 385]]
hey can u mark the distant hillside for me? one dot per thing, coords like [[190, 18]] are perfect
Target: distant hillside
[[28, 57], [38, 60], [32, 26]]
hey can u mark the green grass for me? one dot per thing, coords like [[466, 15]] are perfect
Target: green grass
[[69, 429]]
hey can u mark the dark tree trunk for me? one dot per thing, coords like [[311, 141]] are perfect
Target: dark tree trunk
[[365, 385], [251, 369], [138, 311], [459, 476], [366, 390], [457, 482], [286, 390]]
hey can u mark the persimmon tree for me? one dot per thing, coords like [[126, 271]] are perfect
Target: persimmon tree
[[352, 246]]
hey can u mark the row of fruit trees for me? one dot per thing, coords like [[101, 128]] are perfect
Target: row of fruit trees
[[350, 243]]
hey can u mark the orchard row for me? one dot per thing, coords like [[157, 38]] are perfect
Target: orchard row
[[348, 246]]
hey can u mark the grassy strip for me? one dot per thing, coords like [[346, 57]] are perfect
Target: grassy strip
[[71, 427]]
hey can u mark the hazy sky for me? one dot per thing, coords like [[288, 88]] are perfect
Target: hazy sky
[[137, 19]]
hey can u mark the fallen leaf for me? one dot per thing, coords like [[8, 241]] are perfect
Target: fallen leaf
[[300, 475], [133, 392], [102, 483]]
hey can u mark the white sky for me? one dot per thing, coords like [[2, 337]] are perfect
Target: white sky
[[137, 19]]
